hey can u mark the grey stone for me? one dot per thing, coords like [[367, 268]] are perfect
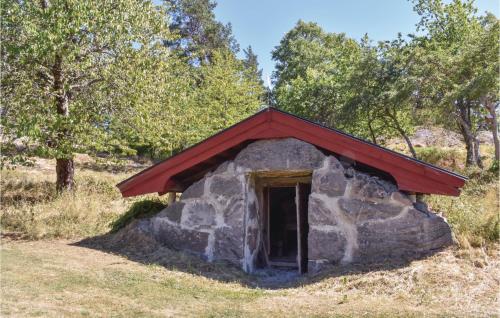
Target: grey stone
[[386, 223], [349, 172], [252, 230], [331, 183], [315, 266], [199, 215], [234, 213], [228, 187], [370, 187], [330, 179], [400, 198], [228, 244], [280, 154], [361, 211], [226, 167], [421, 206], [173, 212], [194, 191], [252, 210], [319, 214], [407, 236], [325, 245], [252, 239], [180, 239]]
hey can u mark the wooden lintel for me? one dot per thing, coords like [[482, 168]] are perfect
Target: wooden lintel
[[282, 178]]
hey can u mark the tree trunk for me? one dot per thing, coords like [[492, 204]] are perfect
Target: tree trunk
[[477, 153], [372, 132], [468, 147], [493, 121], [403, 134], [65, 170], [471, 141], [410, 145]]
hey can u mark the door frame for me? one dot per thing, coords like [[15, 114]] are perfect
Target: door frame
[[302, 192], [277, 179]]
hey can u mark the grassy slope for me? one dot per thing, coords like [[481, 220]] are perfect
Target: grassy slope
[[45, 275]]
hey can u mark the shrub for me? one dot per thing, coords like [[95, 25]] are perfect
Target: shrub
[[138, 210], [494, 168]]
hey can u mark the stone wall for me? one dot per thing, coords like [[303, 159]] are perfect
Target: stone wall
[[355, 217], [352, 216]]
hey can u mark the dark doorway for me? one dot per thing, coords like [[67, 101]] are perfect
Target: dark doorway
[[283, 226], [286, 224]]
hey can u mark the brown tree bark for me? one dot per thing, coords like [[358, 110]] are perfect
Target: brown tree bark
[[493, 122], [372, 132], [471, 142], [403, 134], [65, 169]]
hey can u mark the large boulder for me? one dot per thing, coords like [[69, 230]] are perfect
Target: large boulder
[[178, 238], [366, 219], [280, 154], [330, 178]]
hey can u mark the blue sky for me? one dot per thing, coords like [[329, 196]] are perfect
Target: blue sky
[[262, 23]]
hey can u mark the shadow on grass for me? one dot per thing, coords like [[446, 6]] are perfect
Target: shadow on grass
[[144, 249]]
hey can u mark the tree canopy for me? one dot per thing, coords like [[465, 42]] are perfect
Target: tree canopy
[[105, 76], [137, 77], [446, 75]]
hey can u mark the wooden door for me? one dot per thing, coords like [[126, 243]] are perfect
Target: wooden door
[[302, 191]]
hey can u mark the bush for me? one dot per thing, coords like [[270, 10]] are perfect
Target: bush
[[138, 210], [494, 168]]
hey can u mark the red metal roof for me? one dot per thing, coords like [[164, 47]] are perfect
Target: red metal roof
[[179, 171]]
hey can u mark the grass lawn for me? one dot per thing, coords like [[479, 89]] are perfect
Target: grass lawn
[[56, 278]]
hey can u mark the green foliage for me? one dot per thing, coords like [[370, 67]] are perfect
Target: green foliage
[[311, 70], [187, 105], [199, 34], [495, 166], [226, 95], [457, 65], [381, 92], [447, 75], [120, 77], [334, 80], [138, 210], [63, 61]]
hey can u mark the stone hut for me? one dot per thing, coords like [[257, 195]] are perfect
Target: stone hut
[[277, 190]]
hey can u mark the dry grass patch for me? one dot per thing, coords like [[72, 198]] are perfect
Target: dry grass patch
[[31, 207], [54, 278]]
